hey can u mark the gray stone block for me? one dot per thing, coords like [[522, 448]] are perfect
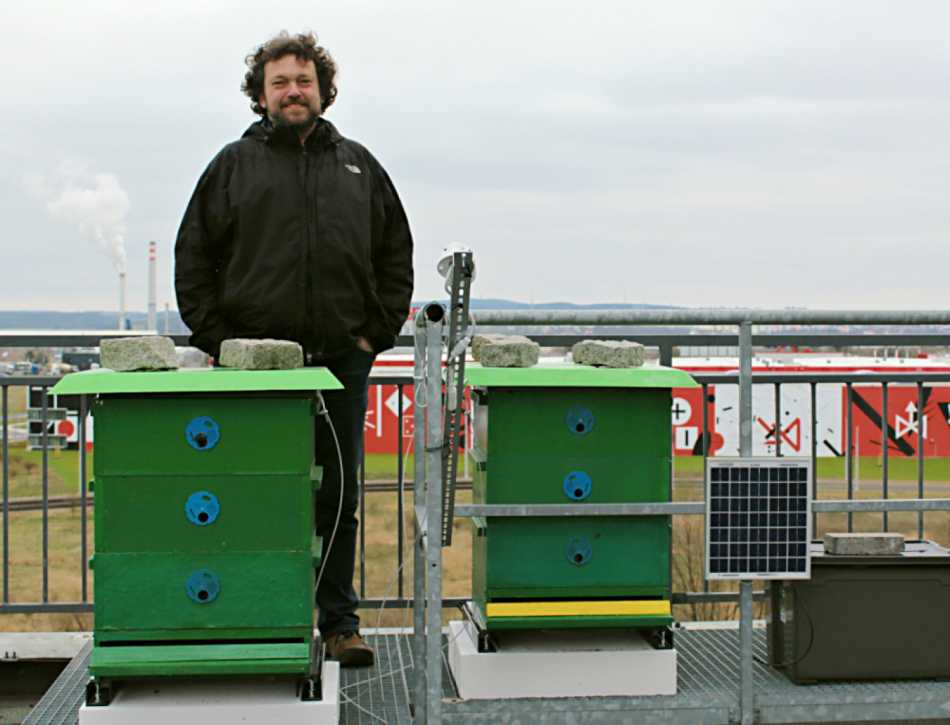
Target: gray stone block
[[608, 353], [864, 544], [479, 341], [261, 354], [130, 354], [506, 351]]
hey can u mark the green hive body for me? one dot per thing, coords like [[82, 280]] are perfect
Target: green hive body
[[535, 428], [173, 506]]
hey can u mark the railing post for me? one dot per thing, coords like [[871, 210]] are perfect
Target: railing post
[[778, 420], [920, 456], [886, 443], [6, 495], [83, 411], [434, 485], [418, 500], [666, 355], [745, 389], [746, 695], [849, 451], [814, 453], [45, 440], [362, 528], [400, 532]]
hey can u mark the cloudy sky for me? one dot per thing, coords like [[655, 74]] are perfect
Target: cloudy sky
[[763, 154]]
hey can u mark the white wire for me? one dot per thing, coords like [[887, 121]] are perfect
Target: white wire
[[361, 708], [322, 411]]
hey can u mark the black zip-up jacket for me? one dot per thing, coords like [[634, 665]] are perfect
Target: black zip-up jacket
[[303, 242]]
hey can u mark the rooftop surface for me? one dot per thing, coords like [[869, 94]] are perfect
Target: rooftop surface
[[707, 684]]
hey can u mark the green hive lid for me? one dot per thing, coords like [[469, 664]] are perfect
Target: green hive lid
[[567, 375], [196, 380]]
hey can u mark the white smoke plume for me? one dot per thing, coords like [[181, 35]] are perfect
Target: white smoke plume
[[95, 201]]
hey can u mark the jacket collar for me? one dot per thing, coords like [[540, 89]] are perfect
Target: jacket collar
[[325, 134]]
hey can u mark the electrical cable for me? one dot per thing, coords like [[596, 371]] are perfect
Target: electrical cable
[[322, 411], [361, 708], [811, 637]]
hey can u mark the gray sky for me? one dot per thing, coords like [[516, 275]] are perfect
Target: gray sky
[[763, 154]]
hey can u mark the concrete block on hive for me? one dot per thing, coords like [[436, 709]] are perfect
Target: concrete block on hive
[[479, 341], [261, 354], [608, 353], [131, 354], [864, 544], [505, 351]]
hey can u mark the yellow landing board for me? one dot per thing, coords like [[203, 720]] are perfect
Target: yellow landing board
[[576, 609]]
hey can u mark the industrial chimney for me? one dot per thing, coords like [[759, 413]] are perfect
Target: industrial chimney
[[152, 321], [121, 300]]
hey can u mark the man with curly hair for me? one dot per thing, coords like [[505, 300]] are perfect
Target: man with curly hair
[[296, 233]]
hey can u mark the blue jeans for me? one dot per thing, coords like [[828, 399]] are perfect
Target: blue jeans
[[336, 598]]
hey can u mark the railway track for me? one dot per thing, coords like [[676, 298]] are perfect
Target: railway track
[[70, 501]]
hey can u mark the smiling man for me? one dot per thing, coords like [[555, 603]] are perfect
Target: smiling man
[[296, 233]]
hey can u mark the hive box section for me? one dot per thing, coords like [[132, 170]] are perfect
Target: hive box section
[[204, 544], [570, 434]]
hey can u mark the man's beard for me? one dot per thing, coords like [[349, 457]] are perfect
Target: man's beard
[[279, 119]]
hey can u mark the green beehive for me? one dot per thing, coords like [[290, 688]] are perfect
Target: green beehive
[[204, 545], [559, 433]]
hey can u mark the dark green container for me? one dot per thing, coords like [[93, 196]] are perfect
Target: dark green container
[[864, 617], [204, 545], [571, 434]]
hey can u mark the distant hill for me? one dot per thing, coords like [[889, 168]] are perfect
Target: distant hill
[[496, 304], [98, 320], [95, 320]]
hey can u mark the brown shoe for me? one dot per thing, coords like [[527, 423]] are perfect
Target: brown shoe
[[349, 649]]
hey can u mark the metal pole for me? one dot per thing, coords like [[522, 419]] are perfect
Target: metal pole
[[6, 496], [747, 702], [778, 420], [45, 439], [83, 410], [418, 500], [545, 318], [745, 587], [849, 455], [705, 458], [666, 355], [434, 324], [814, 454], [400, 490], [885, 442], [920, 456], [362, 528], [745, 389]]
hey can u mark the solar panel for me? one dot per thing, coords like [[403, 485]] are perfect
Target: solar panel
[[758, 518]]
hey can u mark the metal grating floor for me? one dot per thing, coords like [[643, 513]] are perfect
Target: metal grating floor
[[60, 704], [708, 684]]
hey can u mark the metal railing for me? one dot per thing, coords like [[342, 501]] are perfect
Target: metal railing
[[664, 343]]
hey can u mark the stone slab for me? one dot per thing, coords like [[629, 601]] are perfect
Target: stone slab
[[608, 353], [510, 355], [556, 664], [261, 354], [134, 354], [864, 544], [480, 341], [214, 701]]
